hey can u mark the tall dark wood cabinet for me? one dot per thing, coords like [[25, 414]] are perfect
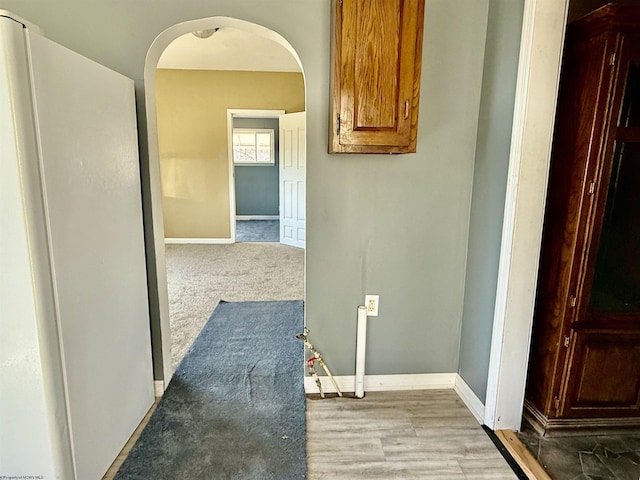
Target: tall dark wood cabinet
[[585, 357], [376, 58]]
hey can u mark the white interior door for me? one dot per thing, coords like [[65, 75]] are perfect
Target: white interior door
[[293, 174]]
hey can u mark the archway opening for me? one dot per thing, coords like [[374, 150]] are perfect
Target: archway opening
[[161, 327]]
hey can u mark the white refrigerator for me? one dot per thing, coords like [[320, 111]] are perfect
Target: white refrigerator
[[75, 353]]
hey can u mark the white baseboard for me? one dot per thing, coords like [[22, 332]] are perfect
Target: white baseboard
[[196, 240], [257, 217], [473, 403], [385, 383], [418, 381], [158, 388]]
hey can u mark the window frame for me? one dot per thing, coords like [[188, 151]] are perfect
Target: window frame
[[255, 132]]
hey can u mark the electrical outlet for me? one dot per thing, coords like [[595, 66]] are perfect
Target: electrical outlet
[[372, 302]]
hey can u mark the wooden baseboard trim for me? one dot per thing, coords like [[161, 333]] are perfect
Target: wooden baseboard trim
[[589, 426], [122, 456], [158, 388], [574, 426], [534, 417], [529, 465]]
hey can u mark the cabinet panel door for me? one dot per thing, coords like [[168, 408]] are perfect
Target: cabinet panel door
[[612, 281], [581, 102], [376, 81], [605, 375], [585, 361]]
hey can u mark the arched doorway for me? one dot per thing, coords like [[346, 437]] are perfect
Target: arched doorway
[[161, 328]]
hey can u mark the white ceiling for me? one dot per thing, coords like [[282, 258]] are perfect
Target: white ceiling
[[228, 49]]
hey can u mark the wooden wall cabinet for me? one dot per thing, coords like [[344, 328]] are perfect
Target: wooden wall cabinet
[[376, 55], [585, 358]]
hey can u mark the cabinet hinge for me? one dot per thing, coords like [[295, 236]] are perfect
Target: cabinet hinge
[[338, 124], [612, 58], [567, 341], [573, 301], [592, 188], [556, 402]]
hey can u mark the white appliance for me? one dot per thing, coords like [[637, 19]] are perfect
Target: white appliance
[[75, 352]]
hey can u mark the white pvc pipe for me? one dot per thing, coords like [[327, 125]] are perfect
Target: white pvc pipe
[[361, 346]]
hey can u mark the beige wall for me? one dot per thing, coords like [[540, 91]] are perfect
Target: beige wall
[[192, 135]]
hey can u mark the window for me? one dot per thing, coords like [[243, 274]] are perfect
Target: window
[[253, 146]]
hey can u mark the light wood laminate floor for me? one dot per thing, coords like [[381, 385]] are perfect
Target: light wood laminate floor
[[426, 434], [420, 434]]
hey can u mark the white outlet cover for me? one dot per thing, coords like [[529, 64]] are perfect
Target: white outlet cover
[[368, 300]]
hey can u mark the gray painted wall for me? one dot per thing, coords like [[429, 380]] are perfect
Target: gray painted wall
[[392, 225], [257, 186], [397, 225], [489, 186]]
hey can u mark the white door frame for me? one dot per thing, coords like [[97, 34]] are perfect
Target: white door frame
[[158, 46], [542, 40], [240, 113]]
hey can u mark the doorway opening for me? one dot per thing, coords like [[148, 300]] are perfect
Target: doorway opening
[[192, 177], [254, 164], [267, 168]]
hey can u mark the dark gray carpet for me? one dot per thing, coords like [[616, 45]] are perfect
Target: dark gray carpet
[[235, 407], [257, 230]]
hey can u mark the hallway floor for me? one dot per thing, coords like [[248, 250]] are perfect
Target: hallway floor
[[418, 434], [403, 435], [586, 457]]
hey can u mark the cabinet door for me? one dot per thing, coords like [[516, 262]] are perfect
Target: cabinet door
[[604, 370], [585, 354], [582, 102], [605, 378], [377, 47], [612, 280]]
